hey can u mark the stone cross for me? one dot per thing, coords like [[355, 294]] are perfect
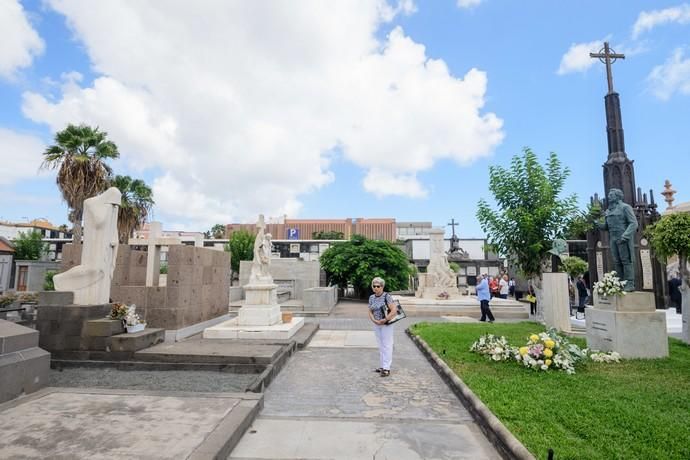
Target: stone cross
[[452, 223], [608, 57], [153, 259]]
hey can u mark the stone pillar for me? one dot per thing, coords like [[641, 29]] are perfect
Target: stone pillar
[[555, 301]]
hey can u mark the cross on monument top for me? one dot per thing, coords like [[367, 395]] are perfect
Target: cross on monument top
[[608, 56], [452, 223]]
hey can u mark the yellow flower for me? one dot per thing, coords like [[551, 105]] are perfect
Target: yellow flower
[[523, 351], [534, 338], [549, 343], [547, 362], [548, 353]]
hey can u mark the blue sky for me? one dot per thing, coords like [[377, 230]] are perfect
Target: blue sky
[[345, 109]]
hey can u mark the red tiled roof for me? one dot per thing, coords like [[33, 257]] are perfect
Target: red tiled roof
[[4, 247]]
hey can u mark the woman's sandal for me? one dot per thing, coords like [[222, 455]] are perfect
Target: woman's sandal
[[378, 370], [385, 373]]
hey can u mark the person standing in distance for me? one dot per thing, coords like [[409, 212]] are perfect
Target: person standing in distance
[[381, 310], [483, 295]]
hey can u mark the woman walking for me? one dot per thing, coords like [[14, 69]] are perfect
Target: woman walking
[[382, 310], [483, 296]]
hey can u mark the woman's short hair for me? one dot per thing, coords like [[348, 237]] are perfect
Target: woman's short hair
[[378, 280]]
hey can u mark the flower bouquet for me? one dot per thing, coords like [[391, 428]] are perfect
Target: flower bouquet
[[496, 348], [132, 321], [118, 311], [610, 285], [548, 350]]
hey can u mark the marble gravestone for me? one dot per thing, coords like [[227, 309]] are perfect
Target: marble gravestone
[[90, 281], [438, 277], [260, 316], [555, 301]]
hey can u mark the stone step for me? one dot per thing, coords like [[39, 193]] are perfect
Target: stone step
[[14, 337], [218, 351], [137, 341], [103, 327]]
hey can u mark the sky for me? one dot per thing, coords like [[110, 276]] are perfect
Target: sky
[[334, 109]]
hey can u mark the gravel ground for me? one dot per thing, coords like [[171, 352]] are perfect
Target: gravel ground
[[202, 381]]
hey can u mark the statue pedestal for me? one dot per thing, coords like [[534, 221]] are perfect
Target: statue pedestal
[[555, 301], [259, 318], [627, 324], [427, 290]]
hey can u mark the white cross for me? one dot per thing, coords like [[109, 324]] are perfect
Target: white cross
[[154, 243]]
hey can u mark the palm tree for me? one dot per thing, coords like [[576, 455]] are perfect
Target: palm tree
[[137, 201], [79, 155]]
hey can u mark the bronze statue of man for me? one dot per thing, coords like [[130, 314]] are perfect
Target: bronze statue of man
[[621, 223]]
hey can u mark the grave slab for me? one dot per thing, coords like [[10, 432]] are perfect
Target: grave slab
[[94, 423]]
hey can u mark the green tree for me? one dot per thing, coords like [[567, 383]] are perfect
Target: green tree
[[359, 260], [328, 235], [135, 206], [454, 266], [670, 236], [530, 213], [574, 266], [240, 247], [48, 283], [79, 155], [29, 246], [218, 231]]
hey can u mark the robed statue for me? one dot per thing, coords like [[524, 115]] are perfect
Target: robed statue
[[260, 273], [621, 223]]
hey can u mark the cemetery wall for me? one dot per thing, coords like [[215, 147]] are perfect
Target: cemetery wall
[[197, 288], [291, 275]]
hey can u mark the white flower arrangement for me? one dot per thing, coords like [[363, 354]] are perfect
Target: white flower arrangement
[[601, 357], [543, 352], [496, 348], [610, 285], [132, 318]]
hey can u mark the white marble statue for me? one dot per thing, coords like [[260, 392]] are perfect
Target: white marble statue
[[260, 273], [439, 273], [90, 281]]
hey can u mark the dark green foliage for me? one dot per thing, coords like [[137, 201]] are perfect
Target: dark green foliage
[[218, 231], [29, 246], [163, 270], [359, 260], [240, 247], [634, 409], [328, 235], [574, 266], [48, 284], [670, 236], [530, 213]]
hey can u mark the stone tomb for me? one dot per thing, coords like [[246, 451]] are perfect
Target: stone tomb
[[24, 367], [627, 324], [196, 294]]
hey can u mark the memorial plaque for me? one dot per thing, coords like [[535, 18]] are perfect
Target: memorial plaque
[[493, 271], [462, 271], [600, 265], [294, 248], [483, 270], [647, 275], [462, 281], [471, 271]]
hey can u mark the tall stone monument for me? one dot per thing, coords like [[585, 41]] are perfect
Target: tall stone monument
[[648, 274], [439, 277], [90, 281], [260, 316]]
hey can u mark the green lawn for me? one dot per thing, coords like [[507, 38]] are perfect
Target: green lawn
[[633, 409]]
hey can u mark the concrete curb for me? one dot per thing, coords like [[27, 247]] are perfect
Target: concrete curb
[[507, 445]]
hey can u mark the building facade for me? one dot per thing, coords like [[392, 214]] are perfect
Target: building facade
[[306, 229]]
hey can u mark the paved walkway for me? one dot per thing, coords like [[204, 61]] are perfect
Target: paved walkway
[[327, 403]]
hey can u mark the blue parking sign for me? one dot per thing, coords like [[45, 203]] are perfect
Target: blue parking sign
[[293, 233]]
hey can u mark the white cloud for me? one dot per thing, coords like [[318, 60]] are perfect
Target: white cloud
[[239, 104], [382, 183], [20, 42], [647, 20], [577, 59], [673, 75], [468, 3], [20, 156]]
